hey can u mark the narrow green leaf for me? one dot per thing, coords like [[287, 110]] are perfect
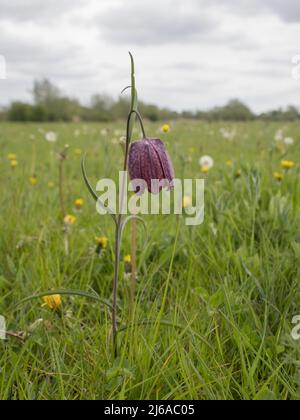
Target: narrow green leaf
[[66, 292], [93, 194], [126, 88], [134, 97]]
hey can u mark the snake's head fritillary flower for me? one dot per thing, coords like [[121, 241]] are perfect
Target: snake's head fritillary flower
[[149, 161]]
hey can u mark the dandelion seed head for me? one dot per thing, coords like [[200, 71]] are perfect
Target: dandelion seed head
[[206, 162], [51, 137]]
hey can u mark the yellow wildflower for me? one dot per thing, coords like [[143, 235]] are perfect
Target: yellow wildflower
[[278, 176], [127, 259], [102, 241], [205, 169], [229, 163], [13, 163], [287, 164], [166, 128], [53, 302], [69, 220], [79, 203]]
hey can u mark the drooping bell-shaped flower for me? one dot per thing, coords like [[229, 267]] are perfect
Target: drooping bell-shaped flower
[[149, 161]]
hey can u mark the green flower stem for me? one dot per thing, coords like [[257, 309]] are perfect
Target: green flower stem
[[119, 222]]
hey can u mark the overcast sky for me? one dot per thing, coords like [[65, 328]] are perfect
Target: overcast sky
[[190, 54]]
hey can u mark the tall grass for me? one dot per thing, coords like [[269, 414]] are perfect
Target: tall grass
[[225, 292]]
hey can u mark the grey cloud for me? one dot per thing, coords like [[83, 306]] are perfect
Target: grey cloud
[[33, 10], [142, 23], [18, 49], [288, 10]]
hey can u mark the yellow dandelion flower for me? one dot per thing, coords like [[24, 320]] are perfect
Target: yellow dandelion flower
[[205, 169], [69, 220], [53, 302], [102, 241], [127, 259], [166, 128], [278, 176], [13, 163], [187, 202], [79, 203], [287, 164], [12, 156], [206, 161], [33, 180]]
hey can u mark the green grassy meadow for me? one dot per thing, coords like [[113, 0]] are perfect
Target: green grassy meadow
[[215, 303]]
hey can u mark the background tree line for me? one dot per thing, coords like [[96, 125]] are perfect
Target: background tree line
[[51, 105]]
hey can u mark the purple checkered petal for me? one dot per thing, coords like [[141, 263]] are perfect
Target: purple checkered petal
[[149, 160]]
